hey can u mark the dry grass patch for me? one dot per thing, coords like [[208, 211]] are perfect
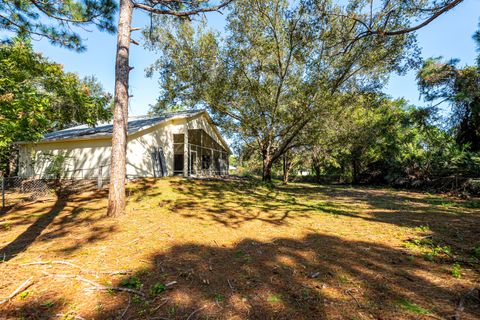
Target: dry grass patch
[[241, 250]]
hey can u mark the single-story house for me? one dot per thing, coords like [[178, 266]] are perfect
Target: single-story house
[[181, 143]]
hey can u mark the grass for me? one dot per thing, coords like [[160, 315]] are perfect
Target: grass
[[412, 307], [243, 250]]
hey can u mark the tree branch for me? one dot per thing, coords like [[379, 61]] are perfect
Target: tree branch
[[152, 9]]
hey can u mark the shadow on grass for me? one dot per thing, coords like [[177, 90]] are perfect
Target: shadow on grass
[[233, 203], [63, 216], [316, 277], [319, 276], [41, 309], [26, 238]]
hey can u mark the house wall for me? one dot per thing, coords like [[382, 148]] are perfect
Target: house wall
[[82, 159], [141, 145], [89, 158], [201, 122]]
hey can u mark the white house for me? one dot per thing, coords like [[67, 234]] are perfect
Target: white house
[[181, 143]]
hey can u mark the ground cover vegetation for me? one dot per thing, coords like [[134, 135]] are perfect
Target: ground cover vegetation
[[242, 249]]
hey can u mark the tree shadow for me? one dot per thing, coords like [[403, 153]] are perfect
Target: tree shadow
[[26, 238], [453, 222], [316, 277], [233, 203], [65, 213], [301, 274]]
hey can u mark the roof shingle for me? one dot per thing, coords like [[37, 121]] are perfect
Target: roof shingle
[[105, 129]]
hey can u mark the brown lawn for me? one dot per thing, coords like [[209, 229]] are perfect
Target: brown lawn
[[242, 250]]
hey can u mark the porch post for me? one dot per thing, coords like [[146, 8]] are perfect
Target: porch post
[[212, 165], [185, 151]]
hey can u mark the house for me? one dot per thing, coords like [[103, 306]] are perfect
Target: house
[[181, 143]]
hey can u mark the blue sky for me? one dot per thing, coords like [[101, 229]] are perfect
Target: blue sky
[[449, 36]]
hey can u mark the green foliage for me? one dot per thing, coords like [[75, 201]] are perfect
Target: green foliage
[[378, 140], [476, 252], [136, 299], [443, 81], [274, 298], [157, 288], [37, 96], [456, 270], [280, 68], [132, 282], [55, 20], [219, 297], [412, 307], [428, 248], [56, 165], [423, 228], [48, 304], [24, 294]]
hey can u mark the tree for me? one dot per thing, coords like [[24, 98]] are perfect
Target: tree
[[279, 67], [56, 20], [37, 96], [443, 81], [178, 8]]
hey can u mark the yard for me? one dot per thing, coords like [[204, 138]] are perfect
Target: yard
[[210, 249]]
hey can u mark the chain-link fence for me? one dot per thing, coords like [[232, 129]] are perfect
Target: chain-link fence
[[20, 189]]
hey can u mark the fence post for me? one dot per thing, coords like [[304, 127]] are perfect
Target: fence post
[[99, 178], [3, 192]]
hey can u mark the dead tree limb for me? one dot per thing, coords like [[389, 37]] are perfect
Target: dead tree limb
[[460, 306], [23, 286], [83, 270], [97, 286], [193, 313]]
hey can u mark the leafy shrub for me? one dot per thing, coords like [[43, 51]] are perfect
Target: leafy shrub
[[456, 270], [157, 288], [131, 282]]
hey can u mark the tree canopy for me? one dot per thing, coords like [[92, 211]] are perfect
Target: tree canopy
[[56, 20], [443, 81], [37, 96], [279, 66]]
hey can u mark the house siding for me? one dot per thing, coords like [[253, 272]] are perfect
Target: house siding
[[89, 158]]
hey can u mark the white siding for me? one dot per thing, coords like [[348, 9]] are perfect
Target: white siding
[[141, 145], [201, 122], [85, 158]]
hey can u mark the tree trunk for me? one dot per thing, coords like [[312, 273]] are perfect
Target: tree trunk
[[116, 195], [267, 169], [355, 171], [316, 169], [286, 169]]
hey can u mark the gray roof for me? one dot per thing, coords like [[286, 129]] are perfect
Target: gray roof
[[105, 129]]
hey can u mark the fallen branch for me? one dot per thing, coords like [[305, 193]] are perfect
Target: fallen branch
[[191, 314], [349, 292], [68, 316], [120, 272], [20, 288], [126, 309], [97, 286], [461, 302], [230, 285], [165, 300]]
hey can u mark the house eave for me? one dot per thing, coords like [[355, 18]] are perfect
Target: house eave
[[108, 136]]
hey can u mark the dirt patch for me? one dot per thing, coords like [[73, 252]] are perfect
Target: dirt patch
[[242, 250]]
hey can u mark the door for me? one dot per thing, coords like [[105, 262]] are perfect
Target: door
[[178, 164]]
